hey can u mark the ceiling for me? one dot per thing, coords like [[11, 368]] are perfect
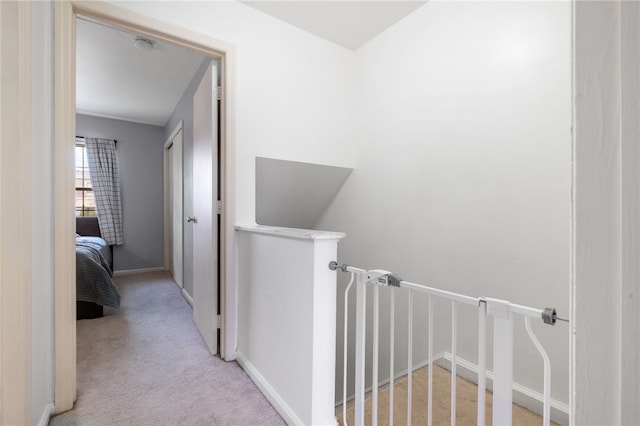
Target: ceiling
[[115, 79], [348, 23]]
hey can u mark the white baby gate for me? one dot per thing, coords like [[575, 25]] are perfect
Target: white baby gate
[[502, 313]]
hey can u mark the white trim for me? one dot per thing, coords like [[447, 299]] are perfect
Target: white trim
[[227, 236], [287, 413], [166, 227], [572, 226], [175, 132], [66, 11], [396, 377], [138, 271], [187, 297], [64, 217], [522, 395], [167, 237], [630, 221], [296, 233], [46, 415], [117, 117]]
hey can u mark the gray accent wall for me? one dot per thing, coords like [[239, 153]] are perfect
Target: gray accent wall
[[141, 158], [184, 112]]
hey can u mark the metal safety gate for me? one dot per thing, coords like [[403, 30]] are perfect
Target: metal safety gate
[[502, 313]]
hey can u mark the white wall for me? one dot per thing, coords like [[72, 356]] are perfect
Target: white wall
[[293, 90], [464, 115], [463, 170], [42, 214]]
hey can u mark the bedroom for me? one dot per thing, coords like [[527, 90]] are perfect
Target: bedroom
[[121, 96]]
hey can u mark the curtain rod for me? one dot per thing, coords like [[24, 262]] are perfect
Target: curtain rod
[[82, 137]]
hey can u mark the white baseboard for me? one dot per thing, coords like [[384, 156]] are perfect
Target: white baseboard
[[187, 297], [522, 395], [287, 413], [46, 415], [138, 271]]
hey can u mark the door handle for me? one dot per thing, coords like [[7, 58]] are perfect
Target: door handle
[[192, 219]]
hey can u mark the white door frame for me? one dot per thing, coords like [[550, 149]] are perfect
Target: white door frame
[[15, 222], [168, 200], [64, 91]]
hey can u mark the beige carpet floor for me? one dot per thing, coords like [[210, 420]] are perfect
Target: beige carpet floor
[[146, 364], [466, 402]]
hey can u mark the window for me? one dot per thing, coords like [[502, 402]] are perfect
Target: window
[[85, 202]]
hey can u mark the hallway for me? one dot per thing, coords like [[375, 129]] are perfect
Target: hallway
[[146, 364]]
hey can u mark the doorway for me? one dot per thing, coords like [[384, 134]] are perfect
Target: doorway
[[66, 13]]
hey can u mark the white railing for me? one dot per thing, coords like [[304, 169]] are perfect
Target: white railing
[[502, 313]]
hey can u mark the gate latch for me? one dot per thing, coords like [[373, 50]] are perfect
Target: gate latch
[[383, 278]]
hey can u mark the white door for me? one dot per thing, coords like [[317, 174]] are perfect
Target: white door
[[205, 190], [177, 216]]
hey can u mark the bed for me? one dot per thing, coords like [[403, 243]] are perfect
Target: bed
[[94, 265]]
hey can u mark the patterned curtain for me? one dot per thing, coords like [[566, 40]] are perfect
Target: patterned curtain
[[105, 179]]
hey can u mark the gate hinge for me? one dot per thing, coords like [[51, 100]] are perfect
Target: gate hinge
[[219, 207], [219, 93], [219, 322]]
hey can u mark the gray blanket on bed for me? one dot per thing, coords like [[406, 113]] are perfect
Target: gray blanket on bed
[[93, 274]]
